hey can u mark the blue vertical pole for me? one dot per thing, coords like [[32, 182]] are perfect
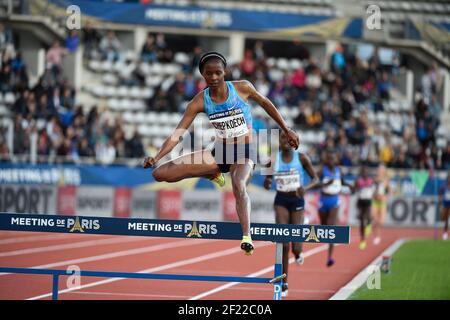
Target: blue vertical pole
[[55, 286], [278, 271]]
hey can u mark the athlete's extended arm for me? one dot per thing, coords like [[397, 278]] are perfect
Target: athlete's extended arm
[[192, 109], [306, 162], [249, 90]]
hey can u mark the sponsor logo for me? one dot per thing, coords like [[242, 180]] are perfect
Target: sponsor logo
[[312, 235], [80, 225], [317, 236], [76, 226], [193, 231]]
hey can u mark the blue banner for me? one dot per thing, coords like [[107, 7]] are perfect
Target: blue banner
[[190, 16], [135, 177], [174, 228]]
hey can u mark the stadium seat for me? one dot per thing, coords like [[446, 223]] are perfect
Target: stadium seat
[[135, 93], [283, 63], [95, 65], [110, 91], [295, 64], [123, 92], [106, 66], [97, 91], [113, 104], [146, 93], [181, 58], [9, 98], [128, 117], [4, 111]]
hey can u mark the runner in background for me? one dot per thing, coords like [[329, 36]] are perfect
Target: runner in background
[[444, 201], [331, 186], [379, 203], [288, 168], [364, 187]]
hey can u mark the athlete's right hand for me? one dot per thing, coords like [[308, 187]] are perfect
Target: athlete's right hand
[[268, 183], [293, 138], [149, 162]]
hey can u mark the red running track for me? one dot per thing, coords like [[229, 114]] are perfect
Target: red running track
[[312, 280]]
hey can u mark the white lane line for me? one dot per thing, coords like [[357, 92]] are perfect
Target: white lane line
[[256, 274], [58, 247], [35, 238], [118, 254], [172, 265], [290, 290], [131, 294], [346, 291]]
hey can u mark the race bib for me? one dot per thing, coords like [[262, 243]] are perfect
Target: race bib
[[229, 124], [334, 188], [447, 195], [287, 182], [366, 193]]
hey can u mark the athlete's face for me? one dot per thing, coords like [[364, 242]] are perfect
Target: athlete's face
[[214, 73], [331, 159], [284, 142], [364, 171]]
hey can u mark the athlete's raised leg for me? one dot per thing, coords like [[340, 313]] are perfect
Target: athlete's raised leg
[[197, 164]]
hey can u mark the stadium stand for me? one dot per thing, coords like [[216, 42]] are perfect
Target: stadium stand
[[355, 105]]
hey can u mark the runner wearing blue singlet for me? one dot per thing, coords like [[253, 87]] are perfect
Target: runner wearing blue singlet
[[444, 200], [332, 182], [226, 104], [289, 205]]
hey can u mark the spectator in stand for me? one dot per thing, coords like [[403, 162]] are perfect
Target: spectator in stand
[[54, 60], [189, 86], [105, 152], [134, 146], [149, 52], [445, 158], [110, 47], [4, 151], [338, 60], [248, 64], [21, 139], [5, 79], [384, 87], [84, 149], [91, 40], [195, 59], [259, 51], [72, 41], [387, 152]]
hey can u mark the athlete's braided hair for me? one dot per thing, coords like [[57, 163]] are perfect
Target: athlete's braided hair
[[211, 55]]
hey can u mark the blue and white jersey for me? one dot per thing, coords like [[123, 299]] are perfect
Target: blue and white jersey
[[288, 176], [232, 118], [336, 186]]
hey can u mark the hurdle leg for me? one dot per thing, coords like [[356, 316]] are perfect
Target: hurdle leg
[[55, 286], [278, 271]]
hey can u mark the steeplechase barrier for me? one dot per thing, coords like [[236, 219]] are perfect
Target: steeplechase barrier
[[277, 233]]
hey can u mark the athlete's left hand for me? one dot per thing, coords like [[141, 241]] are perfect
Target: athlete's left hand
[[293, 138], [300, 192]]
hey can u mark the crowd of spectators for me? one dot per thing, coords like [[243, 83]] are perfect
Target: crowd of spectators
[[48, 109], [335, 96]]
